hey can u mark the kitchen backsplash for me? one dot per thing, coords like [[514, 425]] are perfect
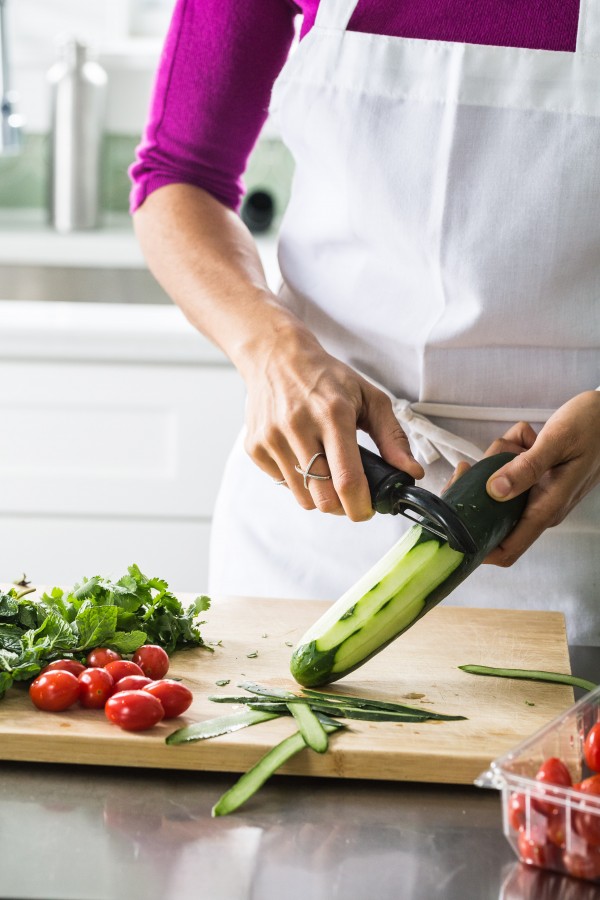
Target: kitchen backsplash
[[23, 179]]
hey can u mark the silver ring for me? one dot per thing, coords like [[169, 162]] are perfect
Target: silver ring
[[283, 481], [306, 473]]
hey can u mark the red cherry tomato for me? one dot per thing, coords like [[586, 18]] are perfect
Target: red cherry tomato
[[552, 771], [556, 830], [121, 668], [132, 683], [174, 696], [534, 853], [587, 824], [583, 865], [591, 748], [153, 661], [65, 665], [134, 710], [96, 687], [101, 656], [517, 811], [589, 785], [54, 691]]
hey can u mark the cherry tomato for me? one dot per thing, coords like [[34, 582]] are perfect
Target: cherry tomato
[[583, 865], [534, 853], [121, 668], [591, 748], [96, 687], [174, 696], [132, 683], [65, 665], [517, 811], [54, 691], [556, 829], [589, 785], [552, 771], [134, 710], [101, 656], [153, 661], [587, 824]]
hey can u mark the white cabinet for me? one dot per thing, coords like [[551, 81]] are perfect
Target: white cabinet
[[111, 448]]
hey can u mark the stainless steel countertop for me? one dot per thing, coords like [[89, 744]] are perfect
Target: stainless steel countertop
[[92, 833]]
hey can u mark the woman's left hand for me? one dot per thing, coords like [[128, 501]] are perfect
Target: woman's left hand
[[560, 465]]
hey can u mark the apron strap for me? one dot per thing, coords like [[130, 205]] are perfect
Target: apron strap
[[431, 441], [588, 32], [335, 14]]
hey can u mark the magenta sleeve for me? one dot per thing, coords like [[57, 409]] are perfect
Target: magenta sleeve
[[211, 95]]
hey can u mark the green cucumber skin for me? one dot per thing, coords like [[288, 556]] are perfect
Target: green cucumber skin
[[489, 522]]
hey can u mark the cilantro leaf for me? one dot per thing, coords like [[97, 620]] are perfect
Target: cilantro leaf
[[95, 626]]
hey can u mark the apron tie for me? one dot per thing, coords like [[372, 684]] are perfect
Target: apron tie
[[430, 441]]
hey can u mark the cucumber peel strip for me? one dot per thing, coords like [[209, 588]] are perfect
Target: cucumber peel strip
[[210, 728], [340, 705], [344, 700], [254, 778], [531, 675], [310, 727]]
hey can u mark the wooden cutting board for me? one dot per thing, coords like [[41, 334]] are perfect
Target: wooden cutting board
[[421, 666]]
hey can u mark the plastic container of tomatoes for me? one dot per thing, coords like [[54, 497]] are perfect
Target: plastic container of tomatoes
[[550, 785]]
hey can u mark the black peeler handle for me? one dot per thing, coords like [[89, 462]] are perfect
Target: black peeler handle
[[394, 491], [383, 480]]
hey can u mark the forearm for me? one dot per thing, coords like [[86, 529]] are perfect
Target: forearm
[[206, 260]]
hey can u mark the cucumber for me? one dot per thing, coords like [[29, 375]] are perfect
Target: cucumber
[[417, 573]]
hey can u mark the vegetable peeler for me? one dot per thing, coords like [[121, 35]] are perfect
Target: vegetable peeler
[[394, 491]]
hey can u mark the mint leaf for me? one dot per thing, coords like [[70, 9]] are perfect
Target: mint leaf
[[5, 682], [10, 638], [53, 634], [9, 606], [127, 642], [96, 626]]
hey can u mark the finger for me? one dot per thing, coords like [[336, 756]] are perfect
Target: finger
[[524, 471], [349, 479], [547, 505], [379, 421], [519, 437], [278, 460], [459, 471], [318, 484]]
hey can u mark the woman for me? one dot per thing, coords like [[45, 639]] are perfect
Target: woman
[[442, 244]]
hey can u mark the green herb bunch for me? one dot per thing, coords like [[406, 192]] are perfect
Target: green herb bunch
[[122, 615]]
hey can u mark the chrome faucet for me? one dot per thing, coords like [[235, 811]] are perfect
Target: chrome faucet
[[10, 122]]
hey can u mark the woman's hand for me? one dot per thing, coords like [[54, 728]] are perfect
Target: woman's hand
[[560, 465], [302, 401]]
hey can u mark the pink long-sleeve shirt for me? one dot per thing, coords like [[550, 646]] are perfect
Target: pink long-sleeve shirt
[[221, 58]]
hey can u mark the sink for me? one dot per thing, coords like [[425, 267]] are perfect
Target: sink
[[87, 284]]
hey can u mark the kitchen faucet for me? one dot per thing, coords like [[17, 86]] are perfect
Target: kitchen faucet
[[10, 122]]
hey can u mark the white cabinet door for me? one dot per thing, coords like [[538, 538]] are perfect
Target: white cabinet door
[[103, 465], [115, 440]]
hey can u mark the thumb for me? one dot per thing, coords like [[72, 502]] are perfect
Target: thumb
[[520, 474], [391, 440]]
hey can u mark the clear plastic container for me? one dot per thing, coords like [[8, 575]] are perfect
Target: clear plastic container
[[555, 828]]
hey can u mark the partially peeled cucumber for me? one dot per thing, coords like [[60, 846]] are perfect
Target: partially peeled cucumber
[[417, 573]]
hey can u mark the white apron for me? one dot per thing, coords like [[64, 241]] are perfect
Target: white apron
[[443, 238]]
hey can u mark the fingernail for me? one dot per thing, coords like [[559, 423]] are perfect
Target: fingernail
[[500, 487]]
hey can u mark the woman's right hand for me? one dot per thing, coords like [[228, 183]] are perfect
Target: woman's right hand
[[303, 401]]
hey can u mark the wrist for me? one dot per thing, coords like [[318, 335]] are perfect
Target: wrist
[[271, 331]]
